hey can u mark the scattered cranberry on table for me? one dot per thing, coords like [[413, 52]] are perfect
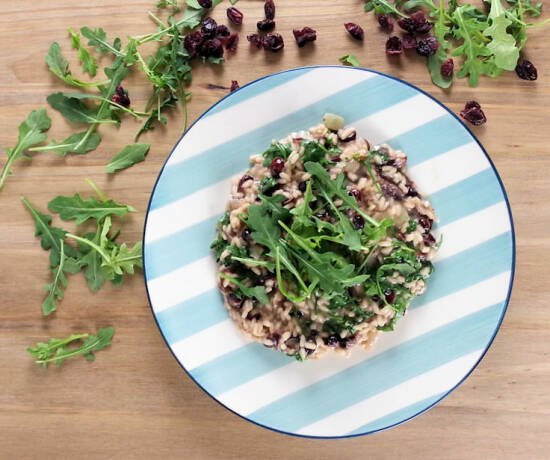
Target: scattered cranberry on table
[[427, 47], [526, 70], [232, 42], [304, 36], [273, 42], [235, 16], [394, 46], [447, 68], [266, 25], [386, 23], [234, 85], [472, 113], [355, 30]]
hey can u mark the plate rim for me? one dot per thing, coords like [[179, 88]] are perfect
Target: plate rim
[[512, 268]]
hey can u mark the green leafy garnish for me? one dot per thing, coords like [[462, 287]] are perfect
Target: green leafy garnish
[[350, 59], [31, 132], [503, 44], [78, 143], [257, 292], [276, 150], [89, 63], [384, 7], [128, 156], [74, 110], [56, 350]]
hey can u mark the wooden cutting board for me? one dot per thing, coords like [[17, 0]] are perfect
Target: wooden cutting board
[[135, 401]]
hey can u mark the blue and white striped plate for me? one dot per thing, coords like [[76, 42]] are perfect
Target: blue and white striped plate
[[446, 331]]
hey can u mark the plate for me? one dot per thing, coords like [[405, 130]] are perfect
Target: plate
[[446, 331]]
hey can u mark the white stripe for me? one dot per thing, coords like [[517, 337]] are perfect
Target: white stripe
[[430, 176], [457, 236], [472, 230], [411, 113], [445, 170], [175, 287], [205, 345], [436, 381], [286, 380], [251, 114]]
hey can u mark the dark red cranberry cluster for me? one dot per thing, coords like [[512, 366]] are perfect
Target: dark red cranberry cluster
[[121, 97], [210, 40], [472, 113]]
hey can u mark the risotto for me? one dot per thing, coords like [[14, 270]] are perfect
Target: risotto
[[324, 243]]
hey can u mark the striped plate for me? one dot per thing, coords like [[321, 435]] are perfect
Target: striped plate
[[446, 331]]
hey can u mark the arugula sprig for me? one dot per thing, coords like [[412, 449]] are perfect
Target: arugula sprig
[[57, 350]]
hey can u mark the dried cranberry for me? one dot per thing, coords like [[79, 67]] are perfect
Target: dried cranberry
[[274, 338], [234, 301], [273, 42], [411, 190], [393, 191], [421, 256], [211, 48], [409, 42], [255, 39], [331, 340], [222, 32], [389, 296], [358, 222], [417, 23], [307, 34], [266, 25], [447, 68], [235, 16], [232, 42], [355, 30], [427, 47], [254, 316], [205, 3], [295, 313], [323, 216], [394, 46], [428, 239], [192, 42], [208, 28], [335, 158], [375, 298], [302, 186], [526, 70], [269, 9], [245, 178], [472, 112], [246, 234], [355, 193], [234, 86], [276, 167], [386, 22], [121, 97], [425, 222]]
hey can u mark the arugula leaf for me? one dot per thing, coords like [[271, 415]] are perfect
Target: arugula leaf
[[194, 13], [31, 132], [98, 38], [89, 63], [534, 10], [156, 115], [50, 236], [276, 150], [75, 207], [384, 7], [55, 288], [258, 292], [60, 67], [350, 59], [78, 143], [314, 151], [72, 109], [411, 227], [173, 4], [503, 44], [273, 204], [128, 156], [56, 349], [434, 66], [91, 261]]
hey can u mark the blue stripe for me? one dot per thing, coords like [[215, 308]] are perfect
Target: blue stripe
[[238, 367], [182, 179], [431, 139], [192, 316], [398, 416], [450, 276], [468, 268], [397, 365], [256, 88], [466, 197], [184, 247], [452, 203]]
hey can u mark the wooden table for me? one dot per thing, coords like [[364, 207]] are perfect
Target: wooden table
[[135, 401]]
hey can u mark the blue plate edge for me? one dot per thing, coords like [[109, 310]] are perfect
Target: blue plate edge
[[512, 273]]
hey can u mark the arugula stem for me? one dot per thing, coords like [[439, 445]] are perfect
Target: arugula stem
[[281, 284], [157, 20], [96, 189], [79, 351], [105, 256], [61, 343], [6, 169]]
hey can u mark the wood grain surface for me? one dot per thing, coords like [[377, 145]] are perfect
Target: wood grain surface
[[135, 401]]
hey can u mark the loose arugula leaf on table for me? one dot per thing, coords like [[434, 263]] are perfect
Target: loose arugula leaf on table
[[98, 38], [74, 110], [56, 350], [434, 66], [78, 143], [384, 7], [60, 67], [81, 210], [128, 156], [535, 10], [51, 237], [503, 44], [88, 62], [350, 59], [91, 260], [173, 4], [31, 132]]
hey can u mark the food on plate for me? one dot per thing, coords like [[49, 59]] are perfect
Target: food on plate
[[324, 243]]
